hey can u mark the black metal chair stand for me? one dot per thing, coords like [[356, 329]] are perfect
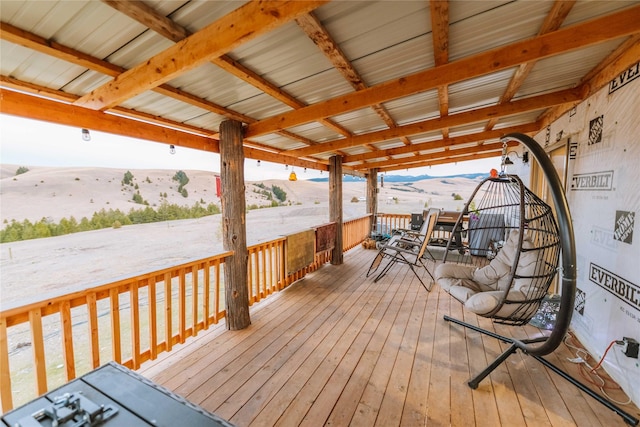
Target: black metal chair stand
[[545, 345], [520, 345]]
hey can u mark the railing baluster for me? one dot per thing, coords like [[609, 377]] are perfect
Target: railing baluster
[[194, 300], [168, 328], [216, 293], [205, 294], [67, 340], [5, 373], [264, 270], [39, 362], [153, 318], [135, 324], [116, 348], [182, 306], [94, 345], [267, 267]]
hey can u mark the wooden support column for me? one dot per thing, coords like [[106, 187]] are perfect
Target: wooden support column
[[372, 196], [234, 225], [335, 205]]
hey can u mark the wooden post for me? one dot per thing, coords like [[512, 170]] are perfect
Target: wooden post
[[234, 225], [372, 196], [335, 205]]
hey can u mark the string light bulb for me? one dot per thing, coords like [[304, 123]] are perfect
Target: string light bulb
[[86, 136], [172, 149], [258, 163]]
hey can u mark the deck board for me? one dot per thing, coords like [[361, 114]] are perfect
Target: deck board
[[337, 349]]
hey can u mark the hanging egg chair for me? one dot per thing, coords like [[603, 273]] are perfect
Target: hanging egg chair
[[512, 255], [515, 245]]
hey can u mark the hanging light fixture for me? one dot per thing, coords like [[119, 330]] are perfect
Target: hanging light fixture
[[86, 136], [258, 163], [172, 149], [292, 175]]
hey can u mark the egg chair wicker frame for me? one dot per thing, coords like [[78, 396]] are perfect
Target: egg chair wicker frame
[[564, 240]]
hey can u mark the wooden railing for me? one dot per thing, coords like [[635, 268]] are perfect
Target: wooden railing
[[387, 222], [133, 320]]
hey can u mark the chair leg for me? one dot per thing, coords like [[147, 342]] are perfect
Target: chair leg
[[385, 269], [428, 288], [375, 263], [473, 382], [628, 418]]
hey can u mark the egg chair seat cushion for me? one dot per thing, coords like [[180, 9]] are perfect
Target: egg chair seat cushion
[[483, 289]]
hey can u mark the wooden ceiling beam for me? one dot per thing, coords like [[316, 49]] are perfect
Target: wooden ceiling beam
[[49, 47], [529, 128], [443, 161], [240, 26], [319, 34], [69, 98], [446, 153], [439, 11], [166, 27], [147, 16], [567, 39], [619, 61], [56, 50], [34, 42], [46, 110], [459, 119]]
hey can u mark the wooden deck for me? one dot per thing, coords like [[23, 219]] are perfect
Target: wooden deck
[[337, 349]]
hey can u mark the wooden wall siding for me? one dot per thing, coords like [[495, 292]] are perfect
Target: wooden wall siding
[[132, 321], [300, 250]]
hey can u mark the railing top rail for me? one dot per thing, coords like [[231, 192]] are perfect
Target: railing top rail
[[19, 306]]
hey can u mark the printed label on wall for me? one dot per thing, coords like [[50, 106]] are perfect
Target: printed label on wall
[[581, 299], [595, 130], [573, 150], [623, 230], [603, 237], [625, 77], [619, 287], [594, 181]]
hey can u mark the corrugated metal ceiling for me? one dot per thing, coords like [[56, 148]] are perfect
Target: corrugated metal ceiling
[[380, 43]]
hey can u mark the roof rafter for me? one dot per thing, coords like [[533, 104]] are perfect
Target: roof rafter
[[449, 158], [440, 37], [166, 27], [621, 59], [241, 25], [567, 39], [472, 116], [552, 22], [442, 143], [495, 147], [317, 32], [29, 40], [24, 38], [32, 107]]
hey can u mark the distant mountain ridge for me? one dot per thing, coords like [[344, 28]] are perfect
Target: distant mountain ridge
[[407, 178]]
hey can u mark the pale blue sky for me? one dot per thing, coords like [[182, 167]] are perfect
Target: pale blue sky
[[26, 142]]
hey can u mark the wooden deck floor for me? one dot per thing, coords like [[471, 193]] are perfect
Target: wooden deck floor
[[337, 349]]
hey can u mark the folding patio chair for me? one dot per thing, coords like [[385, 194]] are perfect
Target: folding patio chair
[[408, 248]]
